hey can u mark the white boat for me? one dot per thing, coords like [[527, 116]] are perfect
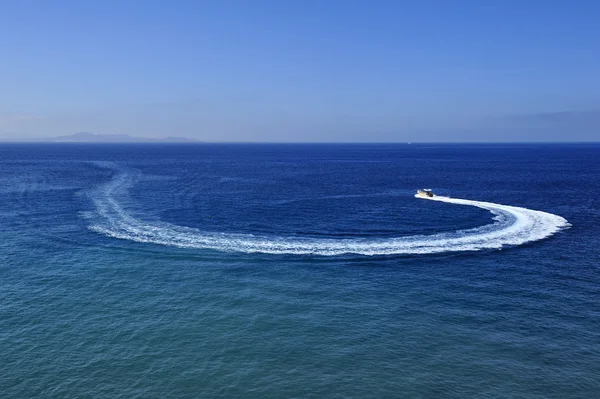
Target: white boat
[[426, 192]]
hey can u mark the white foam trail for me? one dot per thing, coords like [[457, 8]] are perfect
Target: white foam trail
[[512, 226]]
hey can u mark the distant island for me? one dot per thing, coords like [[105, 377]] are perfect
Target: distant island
[[113, 138]]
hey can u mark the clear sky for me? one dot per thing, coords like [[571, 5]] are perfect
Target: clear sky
[[302, 70]]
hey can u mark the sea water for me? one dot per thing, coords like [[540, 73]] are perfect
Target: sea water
[[213, 270]]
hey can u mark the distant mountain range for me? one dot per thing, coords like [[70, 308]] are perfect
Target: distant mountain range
[[114, 138]]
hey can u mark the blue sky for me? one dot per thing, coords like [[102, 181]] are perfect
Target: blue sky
[[497, 70]]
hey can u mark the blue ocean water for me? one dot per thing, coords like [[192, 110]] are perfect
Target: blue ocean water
[[299, 271]]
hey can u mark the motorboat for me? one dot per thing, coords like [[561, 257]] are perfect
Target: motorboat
[[426, 192]]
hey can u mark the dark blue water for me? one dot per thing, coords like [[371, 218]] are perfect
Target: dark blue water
[[299, 271]]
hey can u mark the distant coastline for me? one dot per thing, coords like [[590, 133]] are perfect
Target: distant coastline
[[114, 138], [85, 137]]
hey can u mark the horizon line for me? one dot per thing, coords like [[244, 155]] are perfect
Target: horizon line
[[200, 142]]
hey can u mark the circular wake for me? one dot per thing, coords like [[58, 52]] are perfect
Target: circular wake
[[512, 226]]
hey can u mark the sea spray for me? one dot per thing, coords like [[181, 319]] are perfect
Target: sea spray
[[511, 226]]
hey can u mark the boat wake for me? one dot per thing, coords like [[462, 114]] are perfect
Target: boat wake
[[511, 226]]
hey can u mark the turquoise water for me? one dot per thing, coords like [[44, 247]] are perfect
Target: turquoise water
[[299, 271]]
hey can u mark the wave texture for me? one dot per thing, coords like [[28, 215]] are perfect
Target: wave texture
[[511, 226]]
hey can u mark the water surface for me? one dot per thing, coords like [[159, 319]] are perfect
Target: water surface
[[299, 271]]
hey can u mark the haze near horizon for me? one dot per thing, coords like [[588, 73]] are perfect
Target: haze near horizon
[[318, 71]]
